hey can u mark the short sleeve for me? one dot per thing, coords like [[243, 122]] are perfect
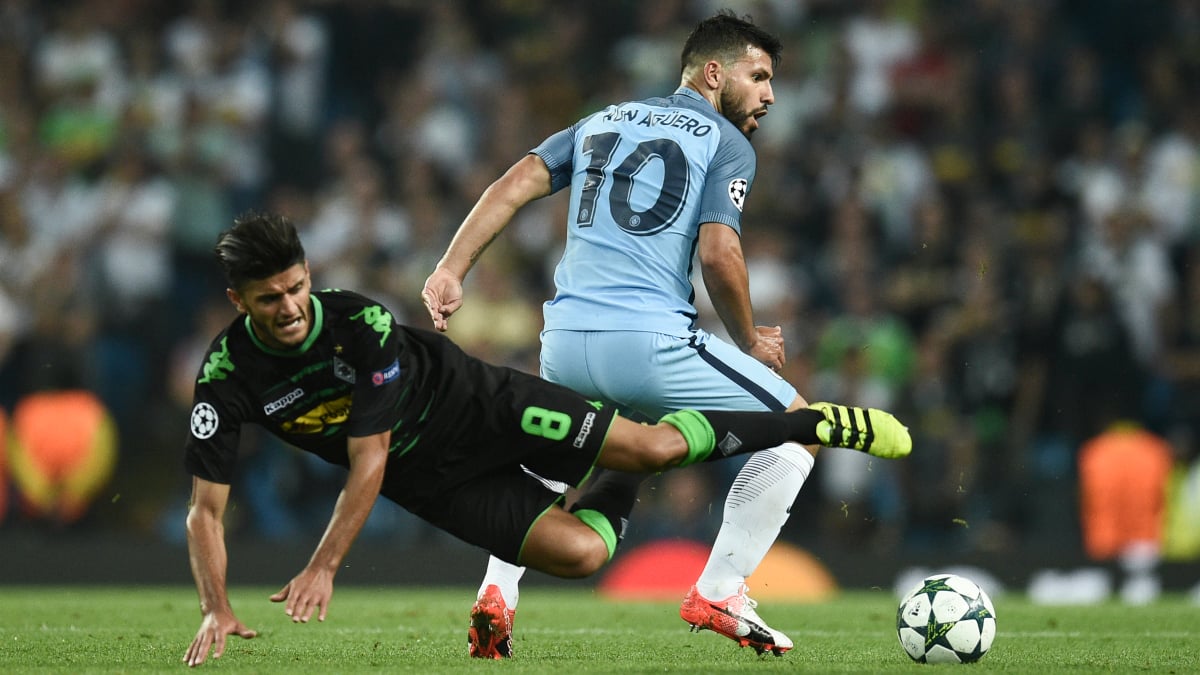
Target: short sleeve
[[728, 182], [214, 430], [380, 378], [558, 152]]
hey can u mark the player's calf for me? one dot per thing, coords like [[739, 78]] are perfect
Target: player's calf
[[712, 435]]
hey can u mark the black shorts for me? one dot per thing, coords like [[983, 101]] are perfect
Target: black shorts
[[470, 472]]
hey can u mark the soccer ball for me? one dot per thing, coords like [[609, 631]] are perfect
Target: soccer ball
[[946, 619]]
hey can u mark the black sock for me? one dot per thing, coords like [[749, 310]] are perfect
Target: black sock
[[741, 432], [611, 493]]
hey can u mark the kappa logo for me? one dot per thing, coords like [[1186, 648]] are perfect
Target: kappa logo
[[585, 430], [283, 402], [204, 421], [219, 364], [379, 319], [738, 187]]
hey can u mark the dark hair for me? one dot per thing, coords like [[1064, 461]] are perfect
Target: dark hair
[[259, 245], [724, 37]]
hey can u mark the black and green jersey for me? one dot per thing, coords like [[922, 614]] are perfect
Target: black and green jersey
[[454, 420], [355, 375]]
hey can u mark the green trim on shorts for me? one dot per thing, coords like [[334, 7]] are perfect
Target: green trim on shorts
[[604, 441], [598, 522], [556, 503], [596, 460], [696, 430]]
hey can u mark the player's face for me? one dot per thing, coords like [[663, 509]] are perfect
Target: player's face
[[746, 91], [278, 306]]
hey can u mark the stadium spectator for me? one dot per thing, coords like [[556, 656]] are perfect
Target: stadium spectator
[[877, 41], [299, 43], [941, 480], [1135, 266], [357, 231], [1123, 511], [130, 279], [79, 76]]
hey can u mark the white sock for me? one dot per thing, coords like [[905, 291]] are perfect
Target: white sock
[[506, 576], [755, 511]]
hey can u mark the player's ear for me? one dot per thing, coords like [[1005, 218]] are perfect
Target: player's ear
[[714, 72], [236, 299]]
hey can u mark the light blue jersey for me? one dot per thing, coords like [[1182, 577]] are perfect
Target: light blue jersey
[[644, 176]]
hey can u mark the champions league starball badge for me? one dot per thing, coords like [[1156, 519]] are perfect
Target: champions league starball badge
[[204, 421]]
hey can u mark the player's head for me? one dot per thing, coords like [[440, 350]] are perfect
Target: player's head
[[258, 245], [724, 37], [732, 61], [264, 262]]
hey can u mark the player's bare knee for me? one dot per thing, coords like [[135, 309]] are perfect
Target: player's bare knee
[[598, 557], [595, 559], [585, 555]]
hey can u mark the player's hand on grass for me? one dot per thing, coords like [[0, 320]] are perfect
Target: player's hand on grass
[[309, 591], [442, 296], [213, 630]]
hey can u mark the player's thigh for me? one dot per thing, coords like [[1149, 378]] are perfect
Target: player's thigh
[[495, 512], [656, 374], [563, 545], [551, 429]]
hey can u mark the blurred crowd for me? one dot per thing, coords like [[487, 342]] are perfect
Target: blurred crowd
[[983, 215]]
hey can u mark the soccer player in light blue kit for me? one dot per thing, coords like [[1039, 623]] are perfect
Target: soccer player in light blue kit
[[654, 184]]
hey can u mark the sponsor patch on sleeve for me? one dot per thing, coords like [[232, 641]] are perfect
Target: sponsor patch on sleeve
[[382, 377]]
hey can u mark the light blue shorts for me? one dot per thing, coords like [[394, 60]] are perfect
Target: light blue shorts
[[652, 374]]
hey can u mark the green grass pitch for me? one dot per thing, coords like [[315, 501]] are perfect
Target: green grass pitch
[[421, 630]]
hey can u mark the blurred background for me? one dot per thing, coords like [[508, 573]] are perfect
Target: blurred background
[[983, 215]]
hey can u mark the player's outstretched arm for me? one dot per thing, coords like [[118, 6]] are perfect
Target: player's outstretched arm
[[525, 181], [206, 553], [311, 590]]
